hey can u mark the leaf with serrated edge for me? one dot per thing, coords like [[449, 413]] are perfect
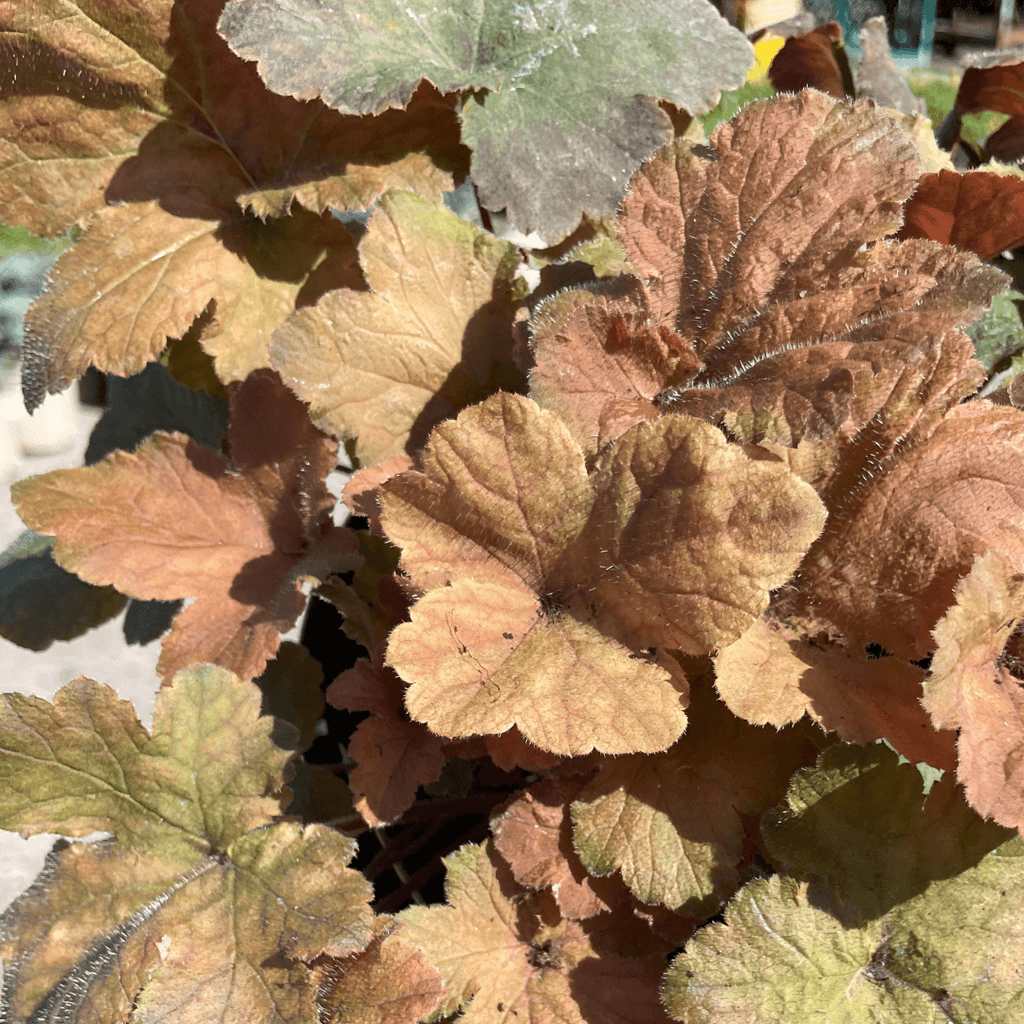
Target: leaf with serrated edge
[[672, 823], [154, 156], [101, 105], [544, 163], [428, 339], [193, 904], [800, 951], [170, 520], [534, 834], [543, 584], [764, 308], [386, 983], [970, 689], [498, 953]]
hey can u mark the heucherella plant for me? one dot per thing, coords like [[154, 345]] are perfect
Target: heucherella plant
[[668, 666]]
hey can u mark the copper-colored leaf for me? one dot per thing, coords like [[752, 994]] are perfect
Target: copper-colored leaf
[[140, 274], [433, 335], [971, 688], [774, 676], [500, 955], [976, 211], [393, 755], [154, 114], [763, 308], [534, 834], [935, 495], [171, 520], [387, 983], [96, 106], [543, 586], [809, 62], [998, 87]]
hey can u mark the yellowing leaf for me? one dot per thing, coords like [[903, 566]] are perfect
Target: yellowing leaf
[[200, 907], [171, 520], [433, 335]]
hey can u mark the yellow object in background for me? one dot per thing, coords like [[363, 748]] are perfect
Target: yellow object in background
[[764, 53]]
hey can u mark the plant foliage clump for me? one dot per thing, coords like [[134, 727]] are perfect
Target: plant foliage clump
[[684, 545]]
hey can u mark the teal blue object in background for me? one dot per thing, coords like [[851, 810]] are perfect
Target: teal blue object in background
[[913, 32]]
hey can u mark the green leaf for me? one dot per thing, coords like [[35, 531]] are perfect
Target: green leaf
[[783, 955], [566, 121], [861, 822], [887, 912], [40, 602], [999, 332], [200, 900]]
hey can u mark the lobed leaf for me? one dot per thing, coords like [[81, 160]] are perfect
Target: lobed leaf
[[171, 520], [936, 493], [639, 815], [432, 336], [496, 954], [201, 906], [544, 163], [762, 309], [774, 675], [145, 129], [542, 584], [906, 937], [534, 835], [386, 983]]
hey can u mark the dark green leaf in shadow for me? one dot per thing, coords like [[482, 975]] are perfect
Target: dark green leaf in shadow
[[40, 602]]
